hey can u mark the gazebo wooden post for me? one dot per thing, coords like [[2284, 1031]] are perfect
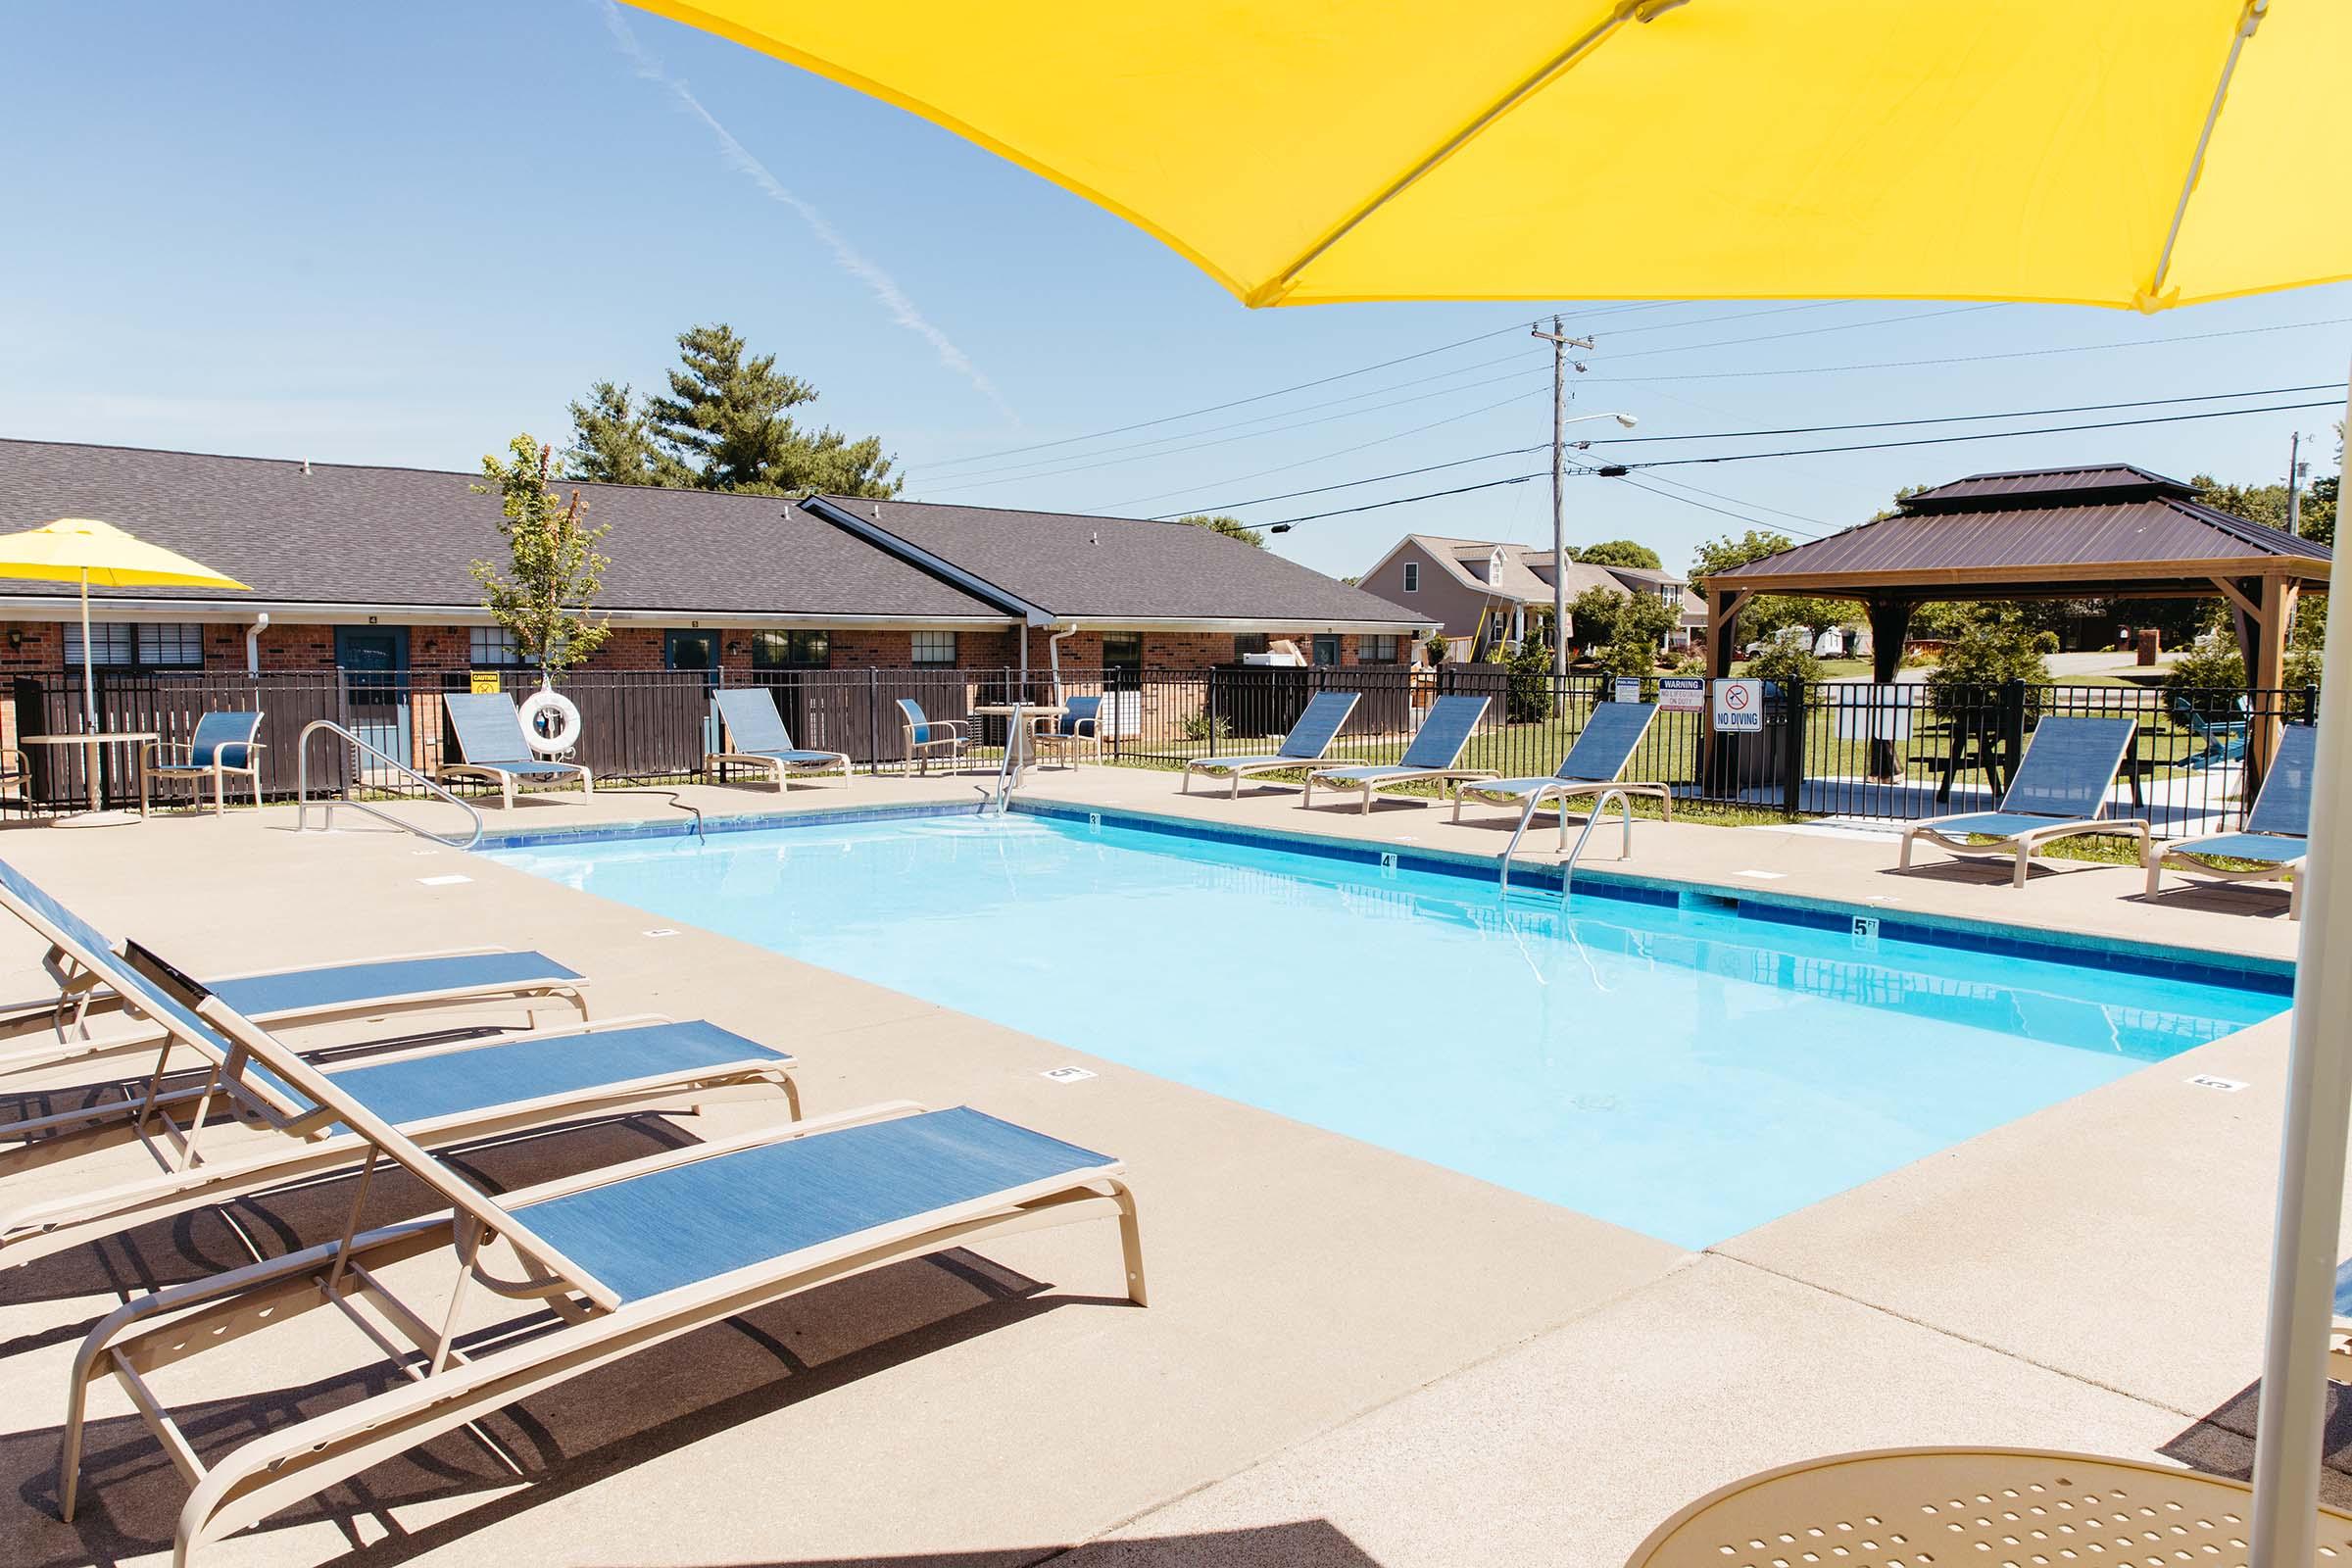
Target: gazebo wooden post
[[2267, 672], [1889, 626]]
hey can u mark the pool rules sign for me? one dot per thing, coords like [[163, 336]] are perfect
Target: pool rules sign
[[1738, 707]]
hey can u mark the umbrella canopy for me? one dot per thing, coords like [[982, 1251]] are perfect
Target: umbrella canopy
[[99, 554], [2130, 153], [2127, 153], [85, 551]]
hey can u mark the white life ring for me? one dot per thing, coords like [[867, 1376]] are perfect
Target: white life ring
[[563, 722]]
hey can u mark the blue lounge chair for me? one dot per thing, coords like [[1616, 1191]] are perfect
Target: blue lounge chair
[[1590, 766], [224, 743], [2059, 790], [617, 1259], [1077, 728], [928, 737], [442, 1094], [1326, 713], [491, 746], [2219, 741], [1437, 747], [756, 737], [2275, 835], [78, 952]]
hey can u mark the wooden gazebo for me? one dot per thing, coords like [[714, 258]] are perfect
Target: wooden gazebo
[[2113, 532]]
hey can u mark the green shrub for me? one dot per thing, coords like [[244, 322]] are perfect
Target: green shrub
[[2212, 661], [1435, 646], [1994, 646], [1214, 728], [1785, 659], [1527, 699]]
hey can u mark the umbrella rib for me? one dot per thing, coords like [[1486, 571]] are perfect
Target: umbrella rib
[[2151, 297], [1281, 283]]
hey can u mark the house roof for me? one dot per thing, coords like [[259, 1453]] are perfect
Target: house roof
[[1521, 583], [2014, 531], [338, 534], [342, 536], [1074, 567]]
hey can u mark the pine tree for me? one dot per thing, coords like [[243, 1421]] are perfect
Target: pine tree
[[726, 425]]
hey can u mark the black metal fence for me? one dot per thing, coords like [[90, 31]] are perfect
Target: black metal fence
[[1835, 748]]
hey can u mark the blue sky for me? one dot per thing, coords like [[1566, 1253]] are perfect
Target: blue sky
[[399, 234]]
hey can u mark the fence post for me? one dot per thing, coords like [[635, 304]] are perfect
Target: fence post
[[2013, 729], [1792, 748], [873, 721]]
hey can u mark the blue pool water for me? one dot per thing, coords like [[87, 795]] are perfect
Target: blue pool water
[[1687, 1073]]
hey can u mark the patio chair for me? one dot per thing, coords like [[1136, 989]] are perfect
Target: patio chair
[[2219, 741], [1077, 728], [591, 1267], [927, 737], [2275, 838], [223, 744], [2058, 791], [1326, 713], [442, 1096], [81, 958], [1437, 747], [1930, 1505], [757, 739], [1590, 768], [492, 746]]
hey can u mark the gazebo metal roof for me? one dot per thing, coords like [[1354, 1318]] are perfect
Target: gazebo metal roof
[[2114, 531]]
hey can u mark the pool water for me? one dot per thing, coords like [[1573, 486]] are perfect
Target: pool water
[[1688, 1073]]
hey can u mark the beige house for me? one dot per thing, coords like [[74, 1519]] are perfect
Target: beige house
[[1482, 591]]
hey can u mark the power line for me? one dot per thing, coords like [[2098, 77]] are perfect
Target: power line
[[1610, 471], [1731, 435], [1406, 358], [1996, 435], [1980, 359], [1958, 419]]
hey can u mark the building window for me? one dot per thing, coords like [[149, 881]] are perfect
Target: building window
[[1326, 650], [1413, 576], [797, 650], [493, 647], [1123, 660], [1249, 642], [130, 645], [933, 647], [1378, 650]]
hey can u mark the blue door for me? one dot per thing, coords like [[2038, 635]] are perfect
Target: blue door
[[696, 650], [375, 663]]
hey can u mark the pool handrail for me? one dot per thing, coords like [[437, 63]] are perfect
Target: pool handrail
[[327, 804]]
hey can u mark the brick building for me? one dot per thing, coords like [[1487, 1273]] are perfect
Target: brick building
[[366, 568]]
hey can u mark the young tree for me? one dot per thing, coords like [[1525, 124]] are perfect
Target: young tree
[[1232, 528], [1766, 614], [1593, 615], [726, 425], [1618, 552], [547, 594]]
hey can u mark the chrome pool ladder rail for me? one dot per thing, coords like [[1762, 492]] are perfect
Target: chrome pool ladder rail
[[1600, 809], [328, 802], [998, 801]]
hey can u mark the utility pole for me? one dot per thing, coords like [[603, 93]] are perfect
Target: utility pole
[[2295, 470], [1560, 343]]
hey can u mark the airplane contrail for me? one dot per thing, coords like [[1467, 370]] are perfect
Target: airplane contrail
[[739, 157]]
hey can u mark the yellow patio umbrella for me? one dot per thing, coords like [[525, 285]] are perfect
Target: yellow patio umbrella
[[2126, 152], [86, 551], [1332, 150]]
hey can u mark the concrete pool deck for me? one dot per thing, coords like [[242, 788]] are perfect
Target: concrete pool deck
[[1351, 1358]]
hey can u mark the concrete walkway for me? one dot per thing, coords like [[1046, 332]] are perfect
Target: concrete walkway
[[1351, 1358]]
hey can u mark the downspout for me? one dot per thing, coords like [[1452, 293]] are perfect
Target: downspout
[[1054, 653], [253, 643]]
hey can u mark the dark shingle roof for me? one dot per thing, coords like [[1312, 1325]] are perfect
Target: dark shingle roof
[[346, 535], [1114, 567]]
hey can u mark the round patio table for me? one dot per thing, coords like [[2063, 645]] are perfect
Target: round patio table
[[95, 742], [1024, 750]]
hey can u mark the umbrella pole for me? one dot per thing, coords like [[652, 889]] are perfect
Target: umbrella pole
[[89, 680], [2289, 1433]]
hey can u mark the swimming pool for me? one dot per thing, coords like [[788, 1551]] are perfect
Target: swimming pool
[[1686, 1071]]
